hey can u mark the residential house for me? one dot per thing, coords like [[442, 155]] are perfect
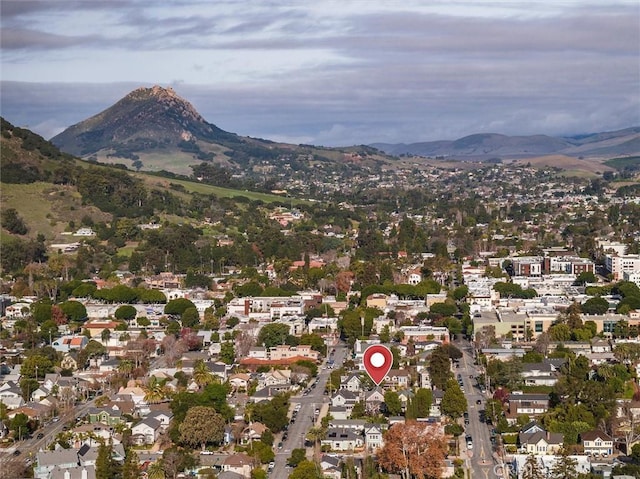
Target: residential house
[[77, 472], [40, 393], [331, 466], [146, 431], [87, 456], [597, 443], [69, 361], [69, 343], [405, 396], [239, 463], [398, 379], [219, 369], [531, 427], [539, 374], [352, 382], [340, 412], [373, 400], [253, 432], [105, 415], [540, 442], [239, 381], [373, 437], [276, 377], [93, 434], [11, 395], [47, 460], [343, 440], [164, 416], [343, 398], [530, 404]]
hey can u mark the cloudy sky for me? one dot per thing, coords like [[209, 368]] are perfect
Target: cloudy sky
[[331, 72]]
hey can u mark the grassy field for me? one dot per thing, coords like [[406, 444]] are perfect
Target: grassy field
[[47, 208], [202, 188]]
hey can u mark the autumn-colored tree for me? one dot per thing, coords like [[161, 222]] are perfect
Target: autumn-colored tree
[[344, 280], [58, 315], [413, 450]]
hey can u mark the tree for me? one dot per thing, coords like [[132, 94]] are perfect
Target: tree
[[261, 451], [202, 425], [106, 467], [585, 277], [273, 334], [176, 460], [36, 365], [454, 404], [131, 467], [595, 305], [12, 222], [439, 368], [201, 373], [532, 469], [156, 470], [564, 467], [227, 352], [306, 470], [176, 307], [297, 456], [20, 425], [126, 312], [190, 318], [74, 310], [392, 403], [420, 404], [154, 391], [272, 414], [413, 449], [316, 434]]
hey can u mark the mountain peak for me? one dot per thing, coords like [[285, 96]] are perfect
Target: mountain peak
[[146, 119]]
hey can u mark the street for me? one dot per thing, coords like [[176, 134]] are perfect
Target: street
[[480, 460], [305, 417]]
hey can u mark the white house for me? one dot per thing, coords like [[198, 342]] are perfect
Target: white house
[[146, 431]]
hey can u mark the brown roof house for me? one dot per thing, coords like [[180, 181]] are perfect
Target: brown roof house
[[239, 463], [597, 443]]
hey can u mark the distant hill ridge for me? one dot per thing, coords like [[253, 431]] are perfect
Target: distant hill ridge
[[158, 130], [493, 145]]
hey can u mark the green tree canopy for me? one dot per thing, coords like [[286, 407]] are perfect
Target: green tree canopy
[[595, 305], [392, 403], [126, 312], [454, 404], [190, 318], [176, 307], [202, 425], [273, 334], [74, 310]]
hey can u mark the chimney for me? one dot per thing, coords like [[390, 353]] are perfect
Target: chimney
[[84, 474], [67, 474]]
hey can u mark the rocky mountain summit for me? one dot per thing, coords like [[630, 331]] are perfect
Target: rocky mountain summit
[[147, 119]]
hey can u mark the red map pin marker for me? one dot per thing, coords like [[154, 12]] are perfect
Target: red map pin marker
[[377, 361]]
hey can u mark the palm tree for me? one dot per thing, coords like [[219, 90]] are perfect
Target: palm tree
[[154, 391], [201, 374], [316, 434], [125, 367], [156, 470], [105, 335]]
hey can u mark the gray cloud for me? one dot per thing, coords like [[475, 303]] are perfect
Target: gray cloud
[[355, 76]]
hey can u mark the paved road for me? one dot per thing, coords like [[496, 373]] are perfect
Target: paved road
[[305, 417], [480, 459], [29, 447]]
